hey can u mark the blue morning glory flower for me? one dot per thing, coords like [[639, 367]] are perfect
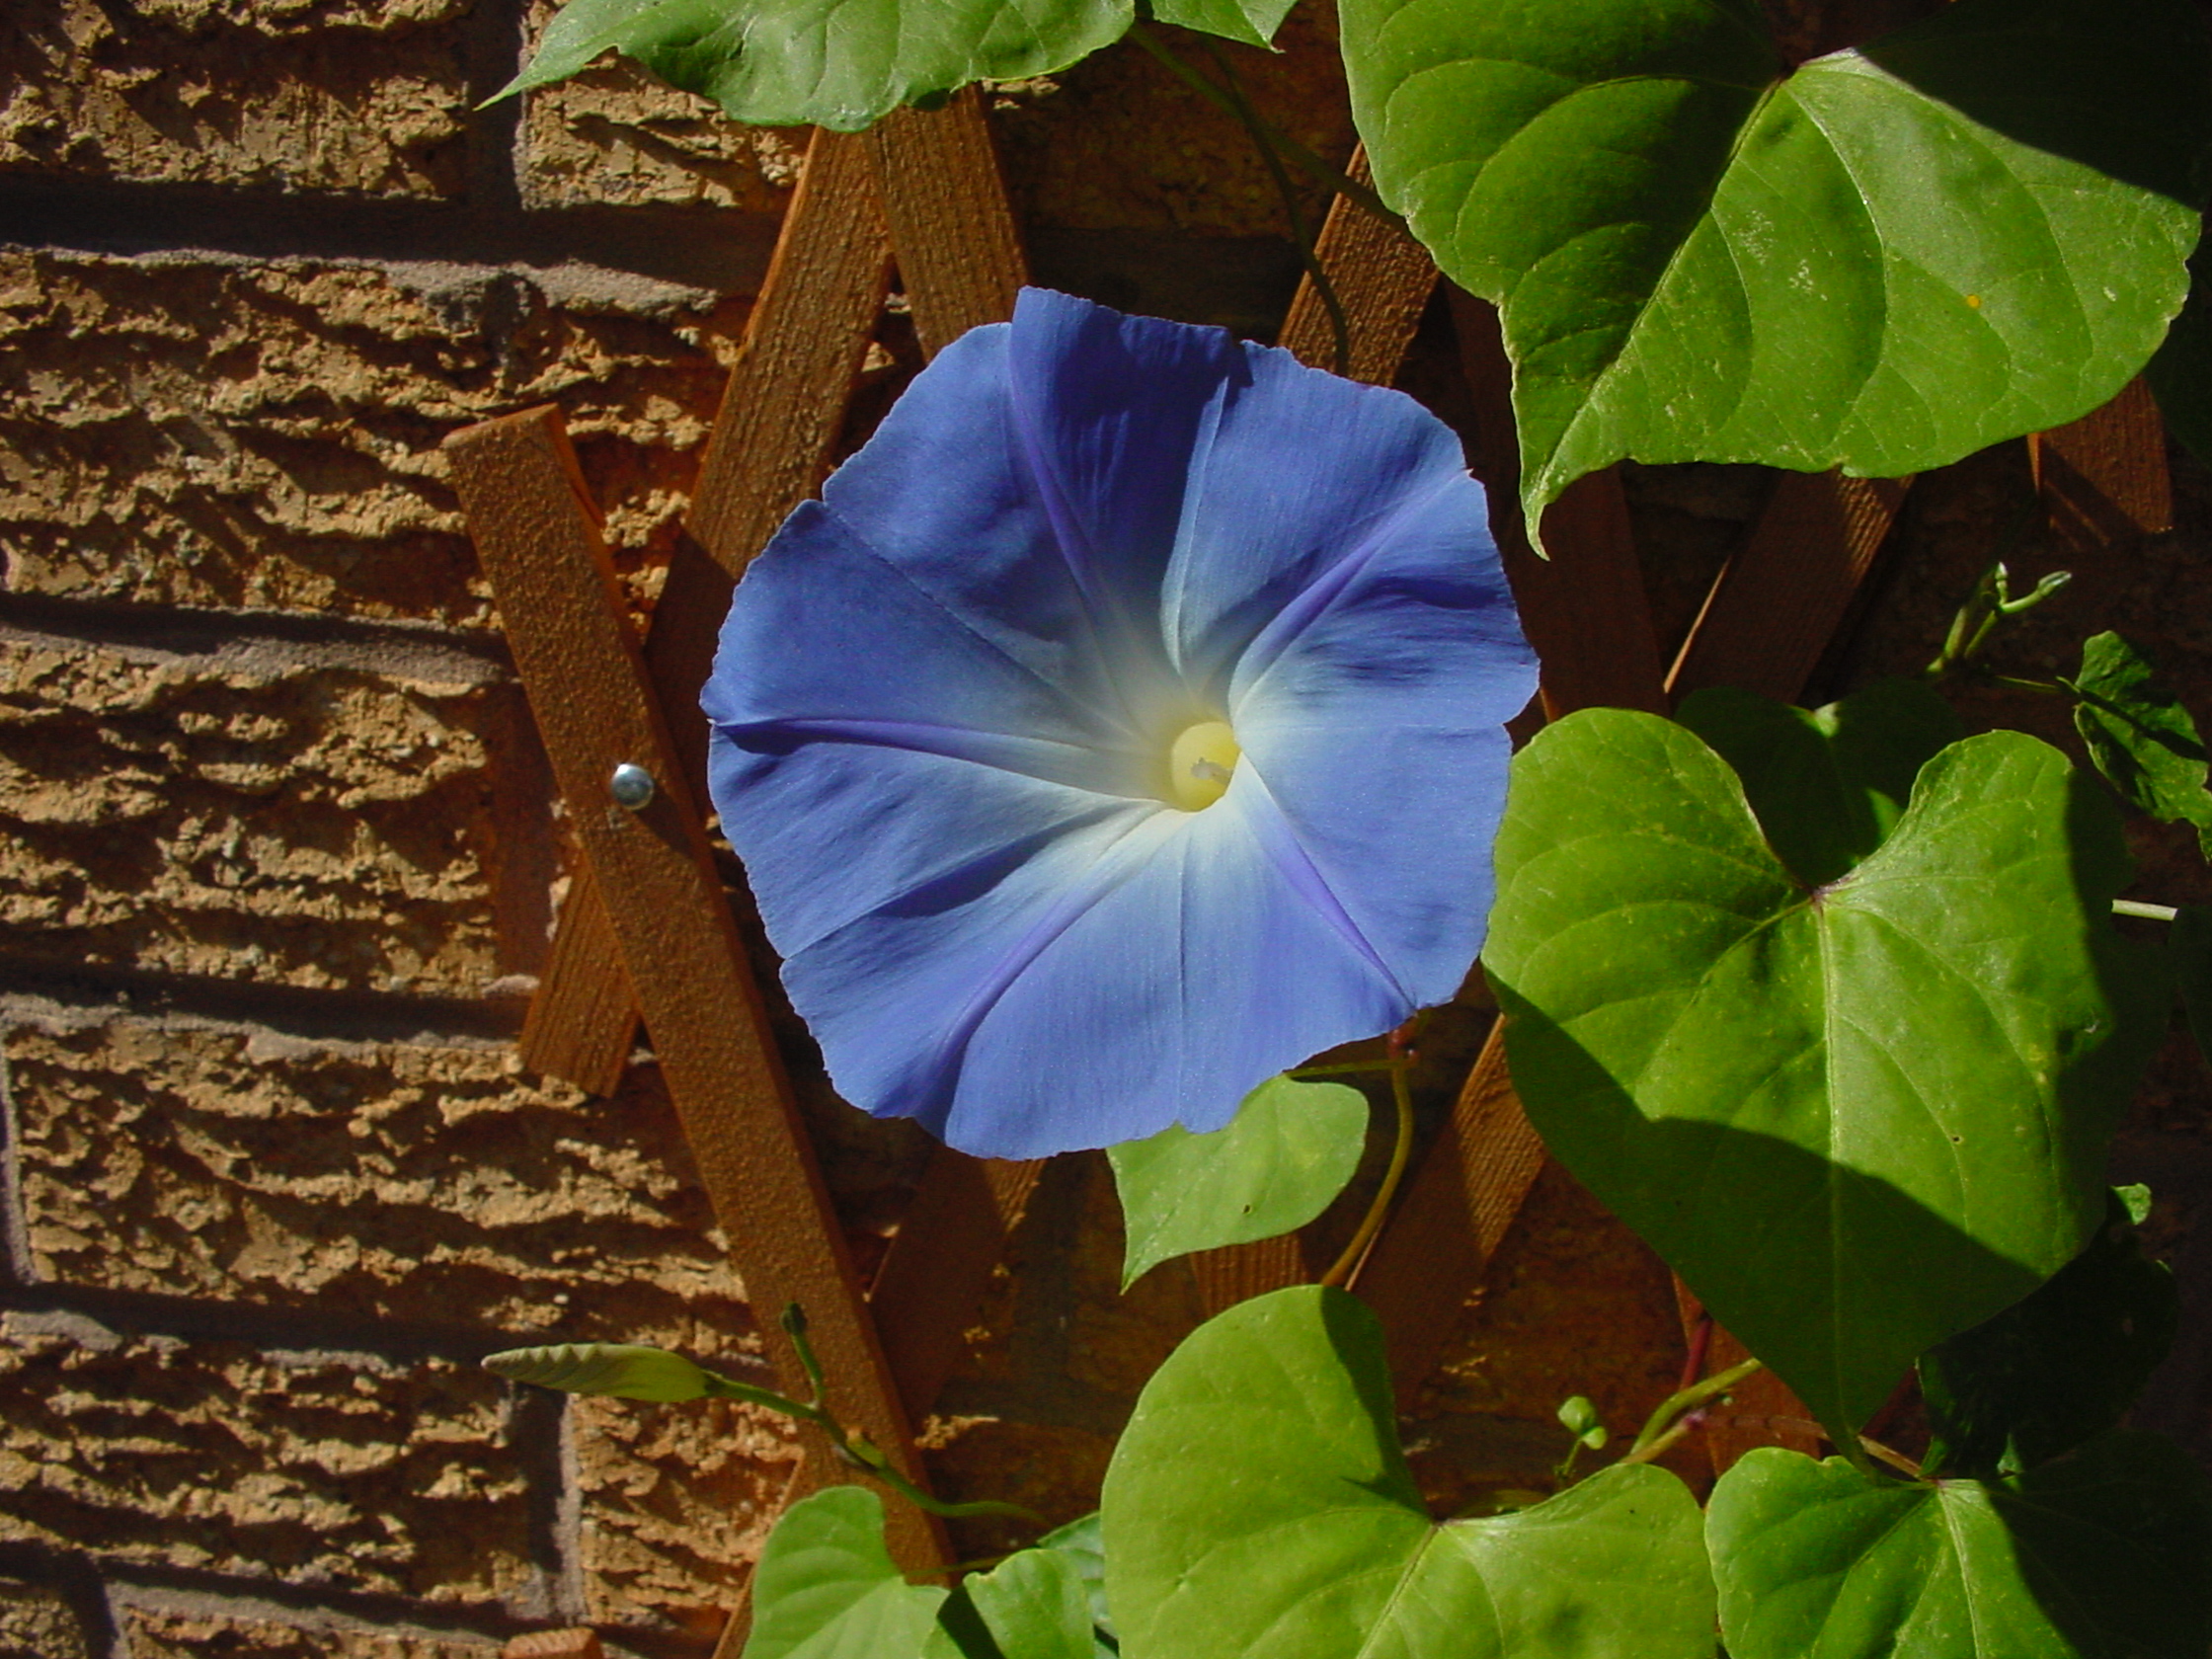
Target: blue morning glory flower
[[1121, 728]]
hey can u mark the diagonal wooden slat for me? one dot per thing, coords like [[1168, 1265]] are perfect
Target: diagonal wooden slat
[[1382, 279], [769, 449], [2103, 478], [591, 692], [960, 254]]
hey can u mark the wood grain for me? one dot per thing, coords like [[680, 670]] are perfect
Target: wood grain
[[1780, 597], [931, 1278], [587, 685], [770, 447], [2103, 478], [1382, 279], [960, 254]]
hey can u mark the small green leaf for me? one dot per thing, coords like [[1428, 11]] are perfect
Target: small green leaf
[[2105, 1555], [1580, 1418], [1290, 1150], [2057, 1369], [1034, 1606], [827, 1588], [1827, 784], [2141, 737], [2180, 374], [1258, 1507], [623, 1370], [846, 63], [1883, 261], [1858, 1117], [1080, 1542]]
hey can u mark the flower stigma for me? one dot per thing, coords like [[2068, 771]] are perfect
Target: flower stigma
[[1199, 764]]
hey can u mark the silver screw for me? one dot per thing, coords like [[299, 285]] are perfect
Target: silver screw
[[631, 786]]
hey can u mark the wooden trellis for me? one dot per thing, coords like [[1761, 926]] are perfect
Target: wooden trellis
[[645, 933]]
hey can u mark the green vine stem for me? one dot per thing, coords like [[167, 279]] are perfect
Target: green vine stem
[[1672, 1420], [1343, 1269], [1229, 96]]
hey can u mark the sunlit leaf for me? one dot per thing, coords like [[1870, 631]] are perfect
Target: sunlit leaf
[[827, 1588], [844, 63], [2141, 737], [1034, 1606], [1290, 1148], [2105, 1555], [1258, 1507], [2180, 374], [2058, 1367], [1859, 1117], [1971, 228]]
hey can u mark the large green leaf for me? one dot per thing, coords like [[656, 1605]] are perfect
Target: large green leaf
[[2141, 737], [827, 1588], [1859, 1117], [2105, 1556], [844, 63], [1034, 1606], [1080, 1542], [1972, 228], [1258, 1507], [1827, 785], [1288, 1151], [2057, 1369]]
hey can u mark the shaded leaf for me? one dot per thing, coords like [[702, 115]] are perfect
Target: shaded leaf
[[2140, 735], [1290, 1150], [1856, 1118], [846, 63], [1827, 785], [1258, 1506], [1972, 228], [2105, 1555], [827, 1588], [2057, 1369]]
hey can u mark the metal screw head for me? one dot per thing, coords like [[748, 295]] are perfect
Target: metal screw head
[[631, 786]]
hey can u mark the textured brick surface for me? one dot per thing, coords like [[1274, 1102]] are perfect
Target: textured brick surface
[[410, 1182], [337, 1472], [366, 96], [616, 135], [239, 816], [35, 1622], [210, 432], [676, 1503], [149, 1633]]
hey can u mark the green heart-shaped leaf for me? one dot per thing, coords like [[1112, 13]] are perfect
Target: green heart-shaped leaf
[[1972, 228], [2180, 374], [1080, 1541], [2141, 737], [1034, 1606], [844, 63], [1288, 1151], [2105, 1556], [1827, 785], [2057, 1369], [1856, 1118], [827, 1588], [1258, 1506]]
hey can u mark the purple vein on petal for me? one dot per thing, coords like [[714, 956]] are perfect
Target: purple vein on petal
[[1279, 840], [1114, 865], [860, 540], [1046, 758], [1261, 656]]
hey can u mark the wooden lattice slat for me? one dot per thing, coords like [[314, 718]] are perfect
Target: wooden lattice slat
[[580, 664], [2103, 478]]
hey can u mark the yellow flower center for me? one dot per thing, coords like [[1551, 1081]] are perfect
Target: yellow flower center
[[1200, 764]]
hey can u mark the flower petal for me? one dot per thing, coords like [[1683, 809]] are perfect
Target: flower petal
[[1119, 978], [1299, 473], [1372, 709]]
